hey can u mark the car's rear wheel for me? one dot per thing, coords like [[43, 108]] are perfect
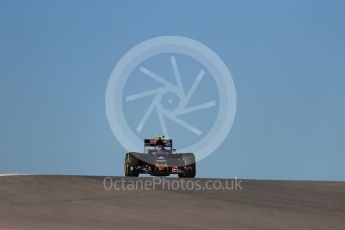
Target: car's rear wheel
[[189, 162], [131, 165]]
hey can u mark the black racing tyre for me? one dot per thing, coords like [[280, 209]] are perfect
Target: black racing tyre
[[131, 165], [189, 160]]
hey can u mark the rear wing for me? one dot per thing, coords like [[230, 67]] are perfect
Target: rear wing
[[155, 142]]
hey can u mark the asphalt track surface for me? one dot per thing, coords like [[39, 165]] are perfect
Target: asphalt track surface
[[76, 202]]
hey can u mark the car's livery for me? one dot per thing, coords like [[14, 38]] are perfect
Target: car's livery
[[160, 159]]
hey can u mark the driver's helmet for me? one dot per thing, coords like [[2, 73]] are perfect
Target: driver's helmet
[[159, 136], [160, 141]]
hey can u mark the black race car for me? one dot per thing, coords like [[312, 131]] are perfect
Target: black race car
[[160, 159]]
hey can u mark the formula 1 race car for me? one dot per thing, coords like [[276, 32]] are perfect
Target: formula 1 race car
[[160, 159]]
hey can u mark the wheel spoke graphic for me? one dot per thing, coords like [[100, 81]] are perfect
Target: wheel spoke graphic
[[148, 113], [158, 78], [177, 77], [184, 99], [162, 122], [181, 122], [146, 93], [191, 91], [196, 108]]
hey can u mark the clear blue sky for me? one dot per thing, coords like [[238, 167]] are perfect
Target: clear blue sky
[[287, 59]]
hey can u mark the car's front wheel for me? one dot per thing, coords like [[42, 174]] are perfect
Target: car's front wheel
[[189, 162], [131, 165]]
